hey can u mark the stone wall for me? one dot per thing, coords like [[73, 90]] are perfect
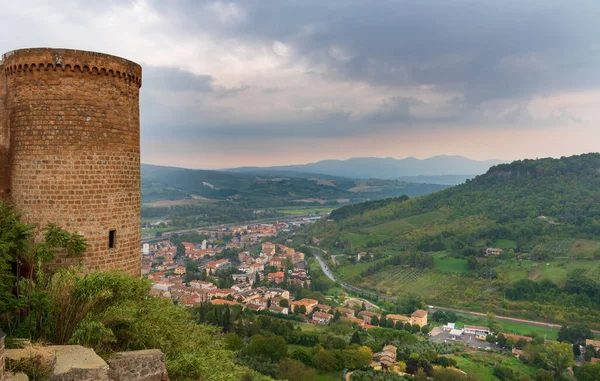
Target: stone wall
[[76, 363], [148, 365], [2, 356], [74, 149]]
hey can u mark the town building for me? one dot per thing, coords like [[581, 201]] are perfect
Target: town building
[[309, 304], [277, 277], [345, 312], [368, 315], [321, 317], [493, 251], [476, 330], [202, 285], [419, 317]]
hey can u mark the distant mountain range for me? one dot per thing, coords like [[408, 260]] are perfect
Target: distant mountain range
[[444, 169]]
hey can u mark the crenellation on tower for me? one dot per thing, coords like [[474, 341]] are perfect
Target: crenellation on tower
[[70, 133]]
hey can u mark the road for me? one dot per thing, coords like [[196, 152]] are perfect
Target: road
[[329, 273]]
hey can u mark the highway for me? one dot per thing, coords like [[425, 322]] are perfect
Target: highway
[[330, 275]]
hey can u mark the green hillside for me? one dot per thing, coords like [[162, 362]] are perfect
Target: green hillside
[[544, 214], [169, 183]]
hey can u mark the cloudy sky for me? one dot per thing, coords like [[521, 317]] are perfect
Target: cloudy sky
[[260, 82]]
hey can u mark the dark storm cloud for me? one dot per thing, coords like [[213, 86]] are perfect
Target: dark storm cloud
[[484, 50]]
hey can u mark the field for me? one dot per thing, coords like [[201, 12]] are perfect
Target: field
[[557, 271], [594, 272], [430, 284], [449, 264], [348, 271], [481, 364], [510, 327], [293, 211], [406, 224], [505, 244], [582, 248]]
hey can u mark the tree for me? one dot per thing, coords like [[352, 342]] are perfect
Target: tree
[[355, 338], [576, 350], [375, 321], [587, 372], [563, 334], [590, 352], [510, 343], [504, 373], [300, 309], [501, 340], [420, 375], [493, 324], [559, 356], [303, 355], [293, 370], [325, 360], [284, 303], [425, 329], [180, 251], [24, 282], [273, 347], [544, 375], [233, 342]]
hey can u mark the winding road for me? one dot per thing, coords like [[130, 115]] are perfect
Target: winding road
[[330, 275]]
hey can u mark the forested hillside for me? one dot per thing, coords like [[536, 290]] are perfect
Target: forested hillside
[[543, 214]]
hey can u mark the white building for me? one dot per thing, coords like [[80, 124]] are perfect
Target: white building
[[475, 330], [146, 249], [204, 244]]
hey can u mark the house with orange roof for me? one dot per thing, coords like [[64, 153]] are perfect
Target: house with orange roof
[[593, 343], [321, 317], [213, 266], [323, 307], [278, 309], [221, 292], [202, 285], [516, 338], [268, 248], [156, 276], [309, 304], [255, 268], [419, 317], [277, 277], [219, 302], [345, 312], [190, 301], [398, 318], [368, 315]]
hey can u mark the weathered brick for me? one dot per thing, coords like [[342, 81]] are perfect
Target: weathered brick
[[70, 148]]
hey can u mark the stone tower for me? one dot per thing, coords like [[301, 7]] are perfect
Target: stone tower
[[70, 148]]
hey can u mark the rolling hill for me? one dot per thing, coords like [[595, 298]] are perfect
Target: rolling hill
[[170, 183], [450, 170], [544, 214]]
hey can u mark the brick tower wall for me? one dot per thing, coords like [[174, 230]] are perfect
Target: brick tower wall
[[4, 139], [75, 149]]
